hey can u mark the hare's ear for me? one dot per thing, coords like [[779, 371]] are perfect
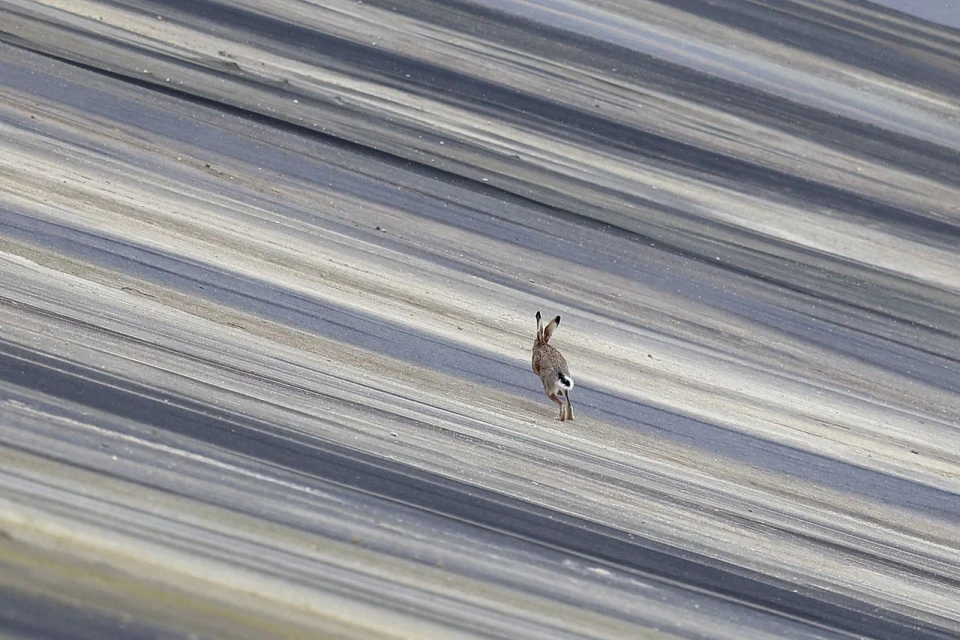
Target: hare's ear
[[551, 328], [539, 325]]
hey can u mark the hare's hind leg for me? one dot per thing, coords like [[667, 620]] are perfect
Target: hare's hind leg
[[569, 406], [562, 415]]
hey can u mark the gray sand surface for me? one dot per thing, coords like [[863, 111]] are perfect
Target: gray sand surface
[[268, 277]]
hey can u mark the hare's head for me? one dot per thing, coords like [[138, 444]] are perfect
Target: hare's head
[[544, 333]]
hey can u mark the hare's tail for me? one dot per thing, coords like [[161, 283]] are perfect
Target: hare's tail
[[566, 382]]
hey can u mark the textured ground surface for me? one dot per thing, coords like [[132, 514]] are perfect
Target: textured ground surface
[[268, 273]]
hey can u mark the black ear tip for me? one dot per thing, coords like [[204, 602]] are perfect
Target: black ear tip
[[557, 320], [538, 315]]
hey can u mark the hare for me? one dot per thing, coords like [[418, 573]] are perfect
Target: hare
[[549, 364]]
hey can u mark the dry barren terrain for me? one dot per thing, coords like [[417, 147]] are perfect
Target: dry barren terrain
[[268, 276]]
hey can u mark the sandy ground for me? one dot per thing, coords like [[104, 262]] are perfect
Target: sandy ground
[[268, 276]]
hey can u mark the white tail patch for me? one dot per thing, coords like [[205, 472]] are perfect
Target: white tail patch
[[565, 381]]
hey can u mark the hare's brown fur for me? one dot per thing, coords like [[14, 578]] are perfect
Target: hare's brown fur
[[549, 364]]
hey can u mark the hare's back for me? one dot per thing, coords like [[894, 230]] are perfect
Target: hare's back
[[547, 359]]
